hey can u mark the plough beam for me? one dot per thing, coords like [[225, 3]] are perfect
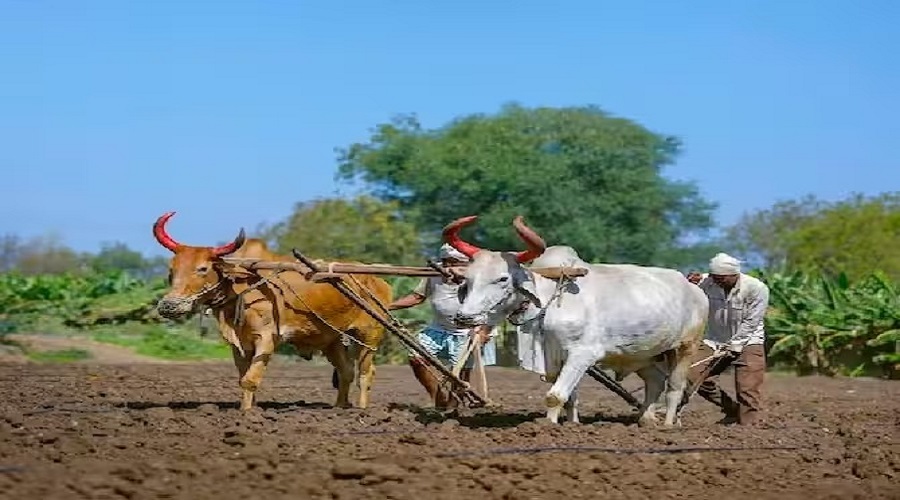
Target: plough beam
[[601, 376], [461, 388]]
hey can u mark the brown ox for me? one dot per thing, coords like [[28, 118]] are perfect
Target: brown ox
[[254, 320]]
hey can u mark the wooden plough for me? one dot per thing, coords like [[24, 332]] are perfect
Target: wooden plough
[[333, 272]]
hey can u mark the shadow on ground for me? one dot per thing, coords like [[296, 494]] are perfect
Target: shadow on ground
[[497, 419]]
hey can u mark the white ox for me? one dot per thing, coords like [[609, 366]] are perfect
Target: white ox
[[625, 317]]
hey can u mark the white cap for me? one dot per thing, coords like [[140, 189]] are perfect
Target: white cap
[[448, 252], [723, 263]]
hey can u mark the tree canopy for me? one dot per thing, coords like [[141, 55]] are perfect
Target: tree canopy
[[363, 229], [855, 236], [579, 176]]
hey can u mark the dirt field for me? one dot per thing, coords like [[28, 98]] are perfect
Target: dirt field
[[174, 431]]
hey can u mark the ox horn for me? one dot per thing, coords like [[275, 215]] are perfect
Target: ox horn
[[231, 247], [536, 244], [451, 236], [159, 231]]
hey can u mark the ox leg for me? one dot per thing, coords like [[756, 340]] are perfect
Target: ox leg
[[571, 406], [678, 382], [242, 363], [654, 384], [366, 369], [574, 369], [337, 355], [264, 348]]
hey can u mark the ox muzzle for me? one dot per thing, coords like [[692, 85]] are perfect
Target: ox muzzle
[[177, 306]]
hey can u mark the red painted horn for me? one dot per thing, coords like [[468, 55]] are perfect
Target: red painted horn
[[231, 247], [536, 244], [451, 236], [159, 231]]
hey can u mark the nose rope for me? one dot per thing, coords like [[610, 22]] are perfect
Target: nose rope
[[563, 280], [221, 299]]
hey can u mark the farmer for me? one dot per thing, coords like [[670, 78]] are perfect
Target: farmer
[[735, 336], [441, 337]]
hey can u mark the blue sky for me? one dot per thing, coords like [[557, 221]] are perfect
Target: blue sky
[[113, 112]]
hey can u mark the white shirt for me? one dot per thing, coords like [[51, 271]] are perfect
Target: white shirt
[[445, 301], [738, 318]]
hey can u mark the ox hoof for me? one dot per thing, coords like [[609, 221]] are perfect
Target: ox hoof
[[673, 425], [551, 401], [648, 420]]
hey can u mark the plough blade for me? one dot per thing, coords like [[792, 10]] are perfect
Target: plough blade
[[459, 388]]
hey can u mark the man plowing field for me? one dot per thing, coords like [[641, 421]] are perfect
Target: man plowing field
[[258, 310], [735, 338], [441, 337]]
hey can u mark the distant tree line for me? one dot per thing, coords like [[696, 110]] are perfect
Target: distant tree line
[[49, 255], [580, 177]]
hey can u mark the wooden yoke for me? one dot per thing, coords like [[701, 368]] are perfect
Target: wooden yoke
[[328, 270]]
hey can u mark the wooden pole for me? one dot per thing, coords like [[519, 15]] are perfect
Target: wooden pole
[[600, 376], [326, 269]]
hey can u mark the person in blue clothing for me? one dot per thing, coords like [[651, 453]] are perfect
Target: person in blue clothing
[[441, 337]]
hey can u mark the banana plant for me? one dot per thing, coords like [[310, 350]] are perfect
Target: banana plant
[[817, 322], [806, 313]]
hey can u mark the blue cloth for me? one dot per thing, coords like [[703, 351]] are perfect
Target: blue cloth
[[449, 346]]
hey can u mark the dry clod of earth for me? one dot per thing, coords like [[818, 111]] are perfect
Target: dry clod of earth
[[174, 431]]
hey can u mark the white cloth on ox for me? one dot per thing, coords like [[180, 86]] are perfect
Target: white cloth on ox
[[530, 351], [723, 263]]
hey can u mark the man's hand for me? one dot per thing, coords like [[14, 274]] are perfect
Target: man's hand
[[736, 348], [482, 334]]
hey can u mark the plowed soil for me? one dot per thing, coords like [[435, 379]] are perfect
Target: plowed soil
[[174, 431]]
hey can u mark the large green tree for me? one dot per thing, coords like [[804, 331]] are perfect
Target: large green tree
[[578, 175], [363, 229], [856, 236]]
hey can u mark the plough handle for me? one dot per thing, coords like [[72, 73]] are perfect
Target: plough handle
[[690, 391]]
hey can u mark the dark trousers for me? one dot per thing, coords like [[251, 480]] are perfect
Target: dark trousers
[[749, 375]]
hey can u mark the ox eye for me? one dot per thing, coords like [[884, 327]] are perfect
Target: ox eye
[[502, 279], [202, 269]]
